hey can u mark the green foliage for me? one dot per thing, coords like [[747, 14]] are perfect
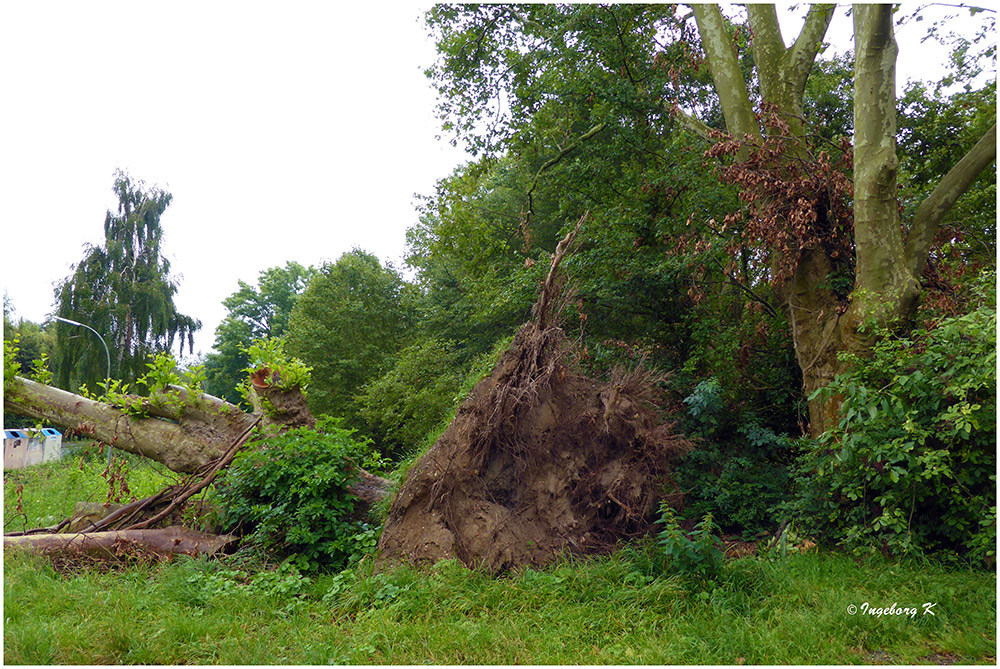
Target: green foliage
[[289, 494], [740, 471], [559, 68], [34, 342], [286, 371], [165, 385], [697, 556], [404, 404], [704, 406], [116, 393], [40, 371], [829, 98], [485, 236], [348, 326], [742, 481], [938, 127], [911, 465], [11, 367], [254, 312], [124, 291]]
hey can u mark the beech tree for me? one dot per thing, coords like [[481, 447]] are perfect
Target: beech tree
[[889, 255]]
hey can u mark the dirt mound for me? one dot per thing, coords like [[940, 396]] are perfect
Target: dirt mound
[[538, 461]]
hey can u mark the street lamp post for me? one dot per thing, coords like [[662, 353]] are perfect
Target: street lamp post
[[107, 354]]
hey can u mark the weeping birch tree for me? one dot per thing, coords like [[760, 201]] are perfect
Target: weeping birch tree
[[122, 289]]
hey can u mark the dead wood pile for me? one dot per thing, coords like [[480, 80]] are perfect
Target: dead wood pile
[[538, 461]]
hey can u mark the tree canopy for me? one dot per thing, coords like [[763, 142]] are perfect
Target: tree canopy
[[254, 312], [348, 325], [122, 289], [579, 96]]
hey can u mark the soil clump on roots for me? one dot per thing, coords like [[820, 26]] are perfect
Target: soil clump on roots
[[539, 461]]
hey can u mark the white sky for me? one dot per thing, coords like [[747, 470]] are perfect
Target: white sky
[[291, 131]]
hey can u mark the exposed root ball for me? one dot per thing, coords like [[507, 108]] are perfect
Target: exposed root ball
[[538, 461]]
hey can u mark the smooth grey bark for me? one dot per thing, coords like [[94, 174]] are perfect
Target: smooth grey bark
[[183, 441], [726, 73], [883, 286], [887, 266]]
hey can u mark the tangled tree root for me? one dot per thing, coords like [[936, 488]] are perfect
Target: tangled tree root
[[538, 461]]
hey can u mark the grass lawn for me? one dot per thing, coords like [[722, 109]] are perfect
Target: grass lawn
[[808, 608]]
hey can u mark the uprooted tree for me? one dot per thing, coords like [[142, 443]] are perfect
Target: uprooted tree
[[832, 242], [539, 460], [190, 432]]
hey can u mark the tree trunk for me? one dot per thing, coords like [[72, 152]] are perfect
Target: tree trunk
[[182, 432], [111, 545], [822, 327], [182, 439], [887, 266]]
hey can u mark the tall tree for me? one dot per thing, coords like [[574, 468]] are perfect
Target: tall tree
[[884, 258], [348, 325], [255, 312], [587, 131], [122, 289], [836, 251]]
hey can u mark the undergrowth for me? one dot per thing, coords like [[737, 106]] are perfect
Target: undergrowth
[[45, 494], [634, 606]]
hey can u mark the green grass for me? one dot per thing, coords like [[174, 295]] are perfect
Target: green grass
[[50, 490], [600, 611], [610, 610]]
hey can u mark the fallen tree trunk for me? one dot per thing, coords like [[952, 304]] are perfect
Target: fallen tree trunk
[[167, 541], [190, 435], [184, 435]]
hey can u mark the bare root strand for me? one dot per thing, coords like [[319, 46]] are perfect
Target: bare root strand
[[192, 489]]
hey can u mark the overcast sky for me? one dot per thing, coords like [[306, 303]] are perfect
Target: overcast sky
[[285, 131]]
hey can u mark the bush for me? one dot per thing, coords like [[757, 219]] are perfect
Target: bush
[[911, 466], [289, 493], [739, 473], [403, 405]]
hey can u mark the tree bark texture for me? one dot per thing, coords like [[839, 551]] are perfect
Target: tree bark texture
[[188, 436], [167, 541], [887, 266], [183, 439]]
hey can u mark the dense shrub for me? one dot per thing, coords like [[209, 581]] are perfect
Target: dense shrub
[[288, 493], [739, 472], [404, 404], [911, 466]]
